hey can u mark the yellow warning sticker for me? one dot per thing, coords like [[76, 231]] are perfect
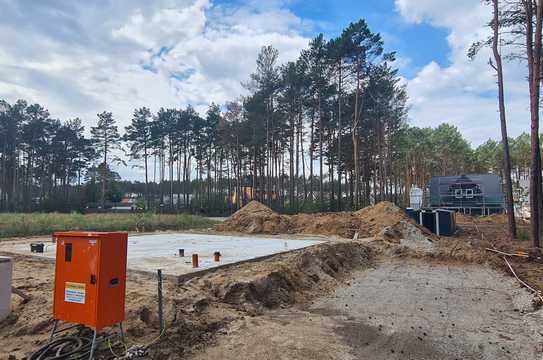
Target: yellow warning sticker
[[74, 292]]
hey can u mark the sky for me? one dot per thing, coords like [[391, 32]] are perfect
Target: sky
[[79, 58]]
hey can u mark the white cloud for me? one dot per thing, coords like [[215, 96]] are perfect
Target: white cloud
[[79, 59], [462, 92], [165, 27], [130, 53]]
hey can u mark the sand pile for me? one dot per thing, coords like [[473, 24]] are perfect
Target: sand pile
[[255, 218], [384, 221], [343, 224], [381, 215]]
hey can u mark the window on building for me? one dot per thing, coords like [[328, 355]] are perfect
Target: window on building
[[458, 193]]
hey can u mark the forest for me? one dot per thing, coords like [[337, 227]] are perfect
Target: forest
[[327, 132]]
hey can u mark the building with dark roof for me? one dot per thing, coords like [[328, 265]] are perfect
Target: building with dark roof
[[477, 194]]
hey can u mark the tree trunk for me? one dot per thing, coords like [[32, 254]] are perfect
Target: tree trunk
[[103, 197], [321, 130], [505, 141], [534, 55], [146, 177], [355, 140], [339, 138], [311, 148]]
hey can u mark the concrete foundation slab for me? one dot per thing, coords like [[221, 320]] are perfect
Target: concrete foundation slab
[[149, 252]]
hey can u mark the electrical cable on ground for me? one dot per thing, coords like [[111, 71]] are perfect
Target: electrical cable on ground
[[66, 348]]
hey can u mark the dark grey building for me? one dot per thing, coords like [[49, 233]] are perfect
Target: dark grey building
[[478, 194]]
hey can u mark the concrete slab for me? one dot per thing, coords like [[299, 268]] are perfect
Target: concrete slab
[[160, 251]]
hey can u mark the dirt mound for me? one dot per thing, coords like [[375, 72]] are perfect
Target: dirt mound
[[253, 208], [344, 225], [255, 218], [284, 279], [384, 220]]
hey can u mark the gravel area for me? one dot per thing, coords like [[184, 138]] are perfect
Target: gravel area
[[400, 309], [416, 310]]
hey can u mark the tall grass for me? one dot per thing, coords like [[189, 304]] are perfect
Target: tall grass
[[16, 224]]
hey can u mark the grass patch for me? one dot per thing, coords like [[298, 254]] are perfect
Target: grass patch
[[15, 224]]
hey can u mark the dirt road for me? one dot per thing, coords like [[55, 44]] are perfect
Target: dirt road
[[401, 309]]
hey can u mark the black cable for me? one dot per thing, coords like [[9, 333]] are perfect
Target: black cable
[[65, 348]]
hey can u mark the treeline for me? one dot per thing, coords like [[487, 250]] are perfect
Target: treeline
[[326, 132]]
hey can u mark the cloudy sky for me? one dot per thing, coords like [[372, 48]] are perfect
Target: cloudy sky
[[78, 58]]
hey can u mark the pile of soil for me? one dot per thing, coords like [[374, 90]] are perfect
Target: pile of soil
[[341, 224], [255, 218], [381, 215], [384, 221], [286, 278]]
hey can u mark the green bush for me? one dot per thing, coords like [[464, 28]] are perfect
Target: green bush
[[15, 224]]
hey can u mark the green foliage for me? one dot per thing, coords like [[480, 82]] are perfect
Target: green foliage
[[16, 224], [310, 207]]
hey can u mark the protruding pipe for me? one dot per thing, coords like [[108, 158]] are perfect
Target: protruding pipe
[[194, 260]]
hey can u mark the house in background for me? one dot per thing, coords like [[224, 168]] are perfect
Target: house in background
[[477, 194]]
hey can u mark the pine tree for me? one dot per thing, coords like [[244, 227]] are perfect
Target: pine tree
[[106, 138]]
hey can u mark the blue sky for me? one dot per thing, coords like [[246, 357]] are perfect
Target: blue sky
[[78, 58], [421, 43]]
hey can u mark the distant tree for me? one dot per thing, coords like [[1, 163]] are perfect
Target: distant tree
[[138, 136], [362, 48], [106, 140], [266, 81]]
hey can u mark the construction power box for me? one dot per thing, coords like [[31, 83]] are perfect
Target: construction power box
[[90, 278]]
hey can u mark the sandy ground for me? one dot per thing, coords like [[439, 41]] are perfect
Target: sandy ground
[[30, 323], [402, 309], [426, 298], [195, 310]]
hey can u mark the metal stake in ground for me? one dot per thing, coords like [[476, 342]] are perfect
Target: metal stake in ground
[[160, 312]]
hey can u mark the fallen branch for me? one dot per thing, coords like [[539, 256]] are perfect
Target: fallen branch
[[537, 292], [507, 254]]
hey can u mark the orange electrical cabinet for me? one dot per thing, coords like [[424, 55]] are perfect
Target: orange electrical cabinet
[[90, 278]]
